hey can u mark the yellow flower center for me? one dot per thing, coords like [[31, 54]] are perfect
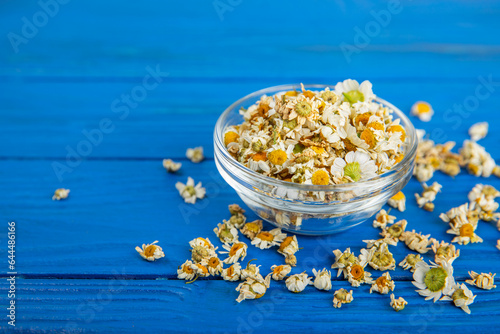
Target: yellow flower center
[[230, 137], [375, 126], [262, 156], [202, 268], [285, 243], [435, 279], [187, 269], [357, 272], [320, 177], [398, 158], [230, 271], [278, 269], [150, 250], [399, 196], [397, 128], [467, 230], [266, 236], [329, 96], [213, 262], [349, 146], [303, 108], [423, 108], [362, 118], [291, 93], [474, 169], [368, 137], [309, 94], [381, 281], [277, 157], [235, 249], [252, 227], [318, 150]]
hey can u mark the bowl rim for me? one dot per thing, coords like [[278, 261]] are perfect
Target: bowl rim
[[410, 154]]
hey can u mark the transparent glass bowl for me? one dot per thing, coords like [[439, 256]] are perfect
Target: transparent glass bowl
[[310, 209]]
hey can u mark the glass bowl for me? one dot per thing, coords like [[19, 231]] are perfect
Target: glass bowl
[[310, 209]]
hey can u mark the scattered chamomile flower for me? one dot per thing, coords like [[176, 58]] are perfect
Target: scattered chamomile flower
[[60, 194], [232, 273], [410, 262], [323, 279], [150, 252], [394, 231], [291, 260], [461, 296], [250, 271], [435, 280], [251, 229], [342, 296], [185, 271], [343, 260], [398, 201], [189, 191], [444, 251], [201, 248], [289, 246], [460, 215], [213, 264], [279, 272], [268, 239], [428, 196], [253, 288], [465, 232], [171, 166], [200, 270], [379, 258], [498, 244], [382, 219], [482, 199], [422, 110], [236, 252], [478, 131], [235, 209], [195, 154], [478, 161], [298, 282], [482, 281], [398, 304], [357, 275], [416, 241], [226, 233], [238, 217], [383, 284]]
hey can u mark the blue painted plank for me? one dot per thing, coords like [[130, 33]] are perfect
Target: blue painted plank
[[129, 306], [50, 123]]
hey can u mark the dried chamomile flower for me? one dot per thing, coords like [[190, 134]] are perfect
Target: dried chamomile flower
[[201, 248], [482, 281], [379, 258], [253, 288], [279, 272], [444, 251], [195, 154], [383, 284], [189, 191], [298, 282], [431, 157], [60, 194], [344, 260], [323, 279], [478, 161], [410, 262], [378, 242], [232, 273], [171, 166], [398, 304], [482, 199], [235, 252], [342, 296], [460, 215], [461, 296], [357, 275], [351, 91], [478, 131], [250, 271], [465, 232], [150, 252], [398, 201], [226, 233], [251, 229], [213, 264], [422, 110], [394, 231], [382, 219], [354, 166], [496, 171], [268, 239], [238, 218], [200, 270], [434, 280], [428, 196], [185, 271], [289, 246], [235, 209], [416, 241], [291, 260]]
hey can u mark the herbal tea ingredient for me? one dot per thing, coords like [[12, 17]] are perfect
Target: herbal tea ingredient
[[150, 252], [195, 154], [398, 201], [171, 166], [189, 191], [341, 297], [60, 194], [426, 199], [398, 304], [318, 137], [422, 110], [482, 281]]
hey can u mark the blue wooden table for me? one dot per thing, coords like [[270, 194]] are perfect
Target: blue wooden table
[[95, 94]]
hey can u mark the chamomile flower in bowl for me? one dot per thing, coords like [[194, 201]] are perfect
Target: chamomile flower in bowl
[[315, 159]]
